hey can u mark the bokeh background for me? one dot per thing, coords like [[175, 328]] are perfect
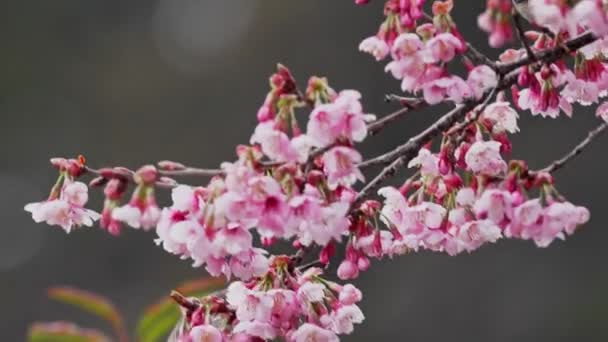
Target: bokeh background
[[132, 82]]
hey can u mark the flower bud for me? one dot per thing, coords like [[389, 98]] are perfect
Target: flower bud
[[348, 270], [169, 165], [147, 174]]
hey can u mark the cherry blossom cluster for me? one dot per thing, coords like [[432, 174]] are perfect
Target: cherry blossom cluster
[[496, 21], [286, 303], [420, 57], [300, 178], [287, 185], [65, 205]]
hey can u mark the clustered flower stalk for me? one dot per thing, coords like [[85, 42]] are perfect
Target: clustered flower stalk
[[300, 178]]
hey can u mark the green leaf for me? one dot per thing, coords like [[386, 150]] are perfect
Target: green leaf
[[63, 332], [159, 318], [91, 303]]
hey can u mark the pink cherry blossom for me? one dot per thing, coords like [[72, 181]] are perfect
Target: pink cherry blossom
[[442, 48], [311, 292], [406, 45], [66, 211], [481, 79], [331, 224], [589, 13], [277, 145], [350, 295], [138, 217], [308, 332], [602, 111], [474, 234], [340, 164], [453, 88], [348, 270], [206, 333], [249, 263], [376, 47], [547, 14], [495, 205], [342, 320], [428, 163], [581, 91], [495, 20], [258, 329], [502, 116], [484, 157], [341, 119]]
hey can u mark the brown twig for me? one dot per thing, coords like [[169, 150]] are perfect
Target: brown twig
[[128, 174], [522, 37], [578, 149], [550, 55], [191, 171], [409, 104], [476, 56]]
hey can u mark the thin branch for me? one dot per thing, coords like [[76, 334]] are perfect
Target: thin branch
[[385, 174], [510, 72], [406, 152], [578, 149], [128, 174], [550, 55], [478, 57], [191, 171], [522, 37], [409, 104]]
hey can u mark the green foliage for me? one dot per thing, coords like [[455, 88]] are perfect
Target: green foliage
[[159, 318], [63, 332], [89, 302], [155, 324]]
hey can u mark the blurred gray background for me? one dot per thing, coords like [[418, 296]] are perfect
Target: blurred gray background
[[132, 82]]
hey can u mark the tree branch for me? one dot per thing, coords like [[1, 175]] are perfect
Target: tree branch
[[520, 34], [191, 171], [578, 149], [409, 104], [550, 55]]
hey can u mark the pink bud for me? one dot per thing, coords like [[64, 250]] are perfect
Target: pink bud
[[350, 295], [327, 252], [59, 163], [370, 207], [98, 181], [363, 263], [146, 174], [115, 189], [170, 165], [348, 270]]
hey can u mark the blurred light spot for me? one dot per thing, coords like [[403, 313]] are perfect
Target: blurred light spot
[[191, 33], [21, 240]]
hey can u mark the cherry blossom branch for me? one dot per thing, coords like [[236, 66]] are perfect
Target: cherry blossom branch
[[458, 113], [406, 152], [578, 149]]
